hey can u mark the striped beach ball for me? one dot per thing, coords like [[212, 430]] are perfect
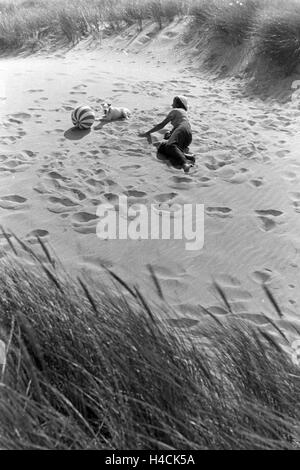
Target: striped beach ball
[[83, 117]]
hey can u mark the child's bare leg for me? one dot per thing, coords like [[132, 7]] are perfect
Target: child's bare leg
[[176, 156]]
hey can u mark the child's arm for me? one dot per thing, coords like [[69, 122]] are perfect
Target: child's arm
[[156, 128]]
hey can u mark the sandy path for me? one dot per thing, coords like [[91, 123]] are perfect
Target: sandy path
[[247, 175]]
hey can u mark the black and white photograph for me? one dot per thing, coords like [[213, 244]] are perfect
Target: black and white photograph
[[149, 227]]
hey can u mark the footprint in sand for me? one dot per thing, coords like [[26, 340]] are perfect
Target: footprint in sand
[[46, 187], [131, 167], [21, 116], [205, 182], [61, 205], [35, 91], [214, 166], [13, 202], [165, 197], [29, 153], [21, 133], [111, 197], [282, 153], [290, 176], [233, 177], [63, 201], [295, 198], [77, 92], [219, 212], [100, 172], [33, 236], [79, 87], [98, 184], [135, 193], [8, 139], [110, 183], [174, 210], [106, 151], [181, 182], [267, 224], [83, 217], [67, 108], [13, 166], [257, 182], [272, 212], [181, 179], [16, 162], [57, 176], [267, 220], [262, 277], [84, 222], [15, 121], [82, 172], [78, 193], [55, 131]]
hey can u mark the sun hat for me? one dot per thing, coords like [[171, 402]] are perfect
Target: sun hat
[[183, 101]]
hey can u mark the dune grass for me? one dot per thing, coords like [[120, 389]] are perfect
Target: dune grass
[[268, 29], [32, 23], [90, 369], [265, 30], [228, 21], [277, 36]]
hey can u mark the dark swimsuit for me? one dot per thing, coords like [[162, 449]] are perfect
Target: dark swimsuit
[[179, 140]]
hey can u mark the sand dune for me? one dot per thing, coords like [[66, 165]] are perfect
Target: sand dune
[[53, 178]]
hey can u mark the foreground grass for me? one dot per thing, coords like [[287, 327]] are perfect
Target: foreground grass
[[93, 370]]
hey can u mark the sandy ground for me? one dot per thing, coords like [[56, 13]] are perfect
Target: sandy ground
[[247, 174]]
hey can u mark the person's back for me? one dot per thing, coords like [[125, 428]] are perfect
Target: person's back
[[178, 116]]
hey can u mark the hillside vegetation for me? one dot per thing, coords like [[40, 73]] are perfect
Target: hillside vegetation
[[264, 30]]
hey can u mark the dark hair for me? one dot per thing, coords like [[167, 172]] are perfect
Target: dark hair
[[179, 103]]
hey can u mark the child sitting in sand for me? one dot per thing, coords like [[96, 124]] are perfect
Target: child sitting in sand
[[179, 138]]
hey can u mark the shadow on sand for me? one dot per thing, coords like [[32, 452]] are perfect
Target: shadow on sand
[[76, 134], [104, 122]]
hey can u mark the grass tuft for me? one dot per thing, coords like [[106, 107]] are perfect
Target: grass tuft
[[276, 34], [89, 368], [265, 30], [261, 31], [225, 20]]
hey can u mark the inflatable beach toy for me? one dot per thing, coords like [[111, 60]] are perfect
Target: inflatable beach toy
[[83, 117]]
